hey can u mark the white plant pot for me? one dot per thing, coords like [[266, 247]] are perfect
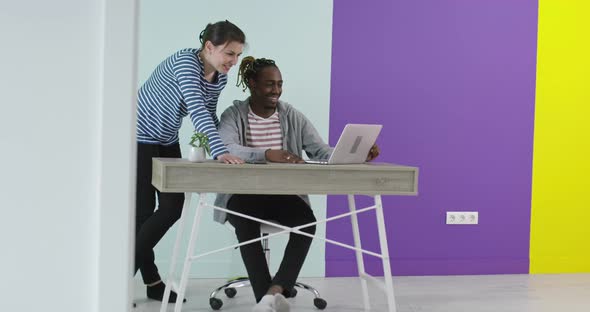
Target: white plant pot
[[196, 154]]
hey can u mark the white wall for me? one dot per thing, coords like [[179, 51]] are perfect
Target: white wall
[[297, 35], [118, 155], [51, 78]]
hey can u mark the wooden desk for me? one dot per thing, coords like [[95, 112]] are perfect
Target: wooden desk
[[375, 179]]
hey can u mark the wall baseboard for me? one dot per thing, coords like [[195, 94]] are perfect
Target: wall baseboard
[[552, 264], [418, 267], [221, 269]]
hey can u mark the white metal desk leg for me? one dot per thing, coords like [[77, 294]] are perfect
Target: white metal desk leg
[[359, 255], [171, 271], [385, 252], [189, 253]]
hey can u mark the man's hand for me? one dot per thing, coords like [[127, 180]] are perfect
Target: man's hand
[[282, 156], [373, 153], [229, 159]]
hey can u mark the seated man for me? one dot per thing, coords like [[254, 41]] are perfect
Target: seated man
[[263, 129]]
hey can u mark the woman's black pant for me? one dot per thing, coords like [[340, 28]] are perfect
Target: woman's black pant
[[288, 210], [150, 225]]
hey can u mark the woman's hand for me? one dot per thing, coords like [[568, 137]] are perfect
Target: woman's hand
[[229, 159], [282, 156], [373, 153]]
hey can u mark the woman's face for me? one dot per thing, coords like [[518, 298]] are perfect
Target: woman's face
[[267, 88], [224, 56]]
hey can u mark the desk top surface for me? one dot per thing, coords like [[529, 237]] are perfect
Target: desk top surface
[[181, 162], [181, 175]]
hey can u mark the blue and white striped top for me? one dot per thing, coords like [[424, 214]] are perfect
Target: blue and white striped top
[[177, 88]]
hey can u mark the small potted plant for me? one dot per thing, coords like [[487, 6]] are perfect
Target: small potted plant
[[199, 146]]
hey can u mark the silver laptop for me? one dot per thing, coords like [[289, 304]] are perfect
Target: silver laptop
[[353, 145]]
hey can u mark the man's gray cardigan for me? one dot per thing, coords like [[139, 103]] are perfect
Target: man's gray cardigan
[[298, 135]]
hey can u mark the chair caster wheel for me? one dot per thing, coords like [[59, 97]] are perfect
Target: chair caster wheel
[[320, 303], [215, 303], [293, 292], [230, 292]]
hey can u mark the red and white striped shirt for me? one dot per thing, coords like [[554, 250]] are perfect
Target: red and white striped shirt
[[264, 133]]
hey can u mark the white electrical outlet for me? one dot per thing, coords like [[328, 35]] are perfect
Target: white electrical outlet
[[462, 217]]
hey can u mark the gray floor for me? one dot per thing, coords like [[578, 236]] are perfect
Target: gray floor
[[497, 293]]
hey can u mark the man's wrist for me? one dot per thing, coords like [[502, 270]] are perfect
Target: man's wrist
[[266, 154]]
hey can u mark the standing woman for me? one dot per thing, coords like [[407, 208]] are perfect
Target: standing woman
[[186, 83]]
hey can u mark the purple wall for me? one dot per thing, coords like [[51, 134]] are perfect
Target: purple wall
[[453, 83]]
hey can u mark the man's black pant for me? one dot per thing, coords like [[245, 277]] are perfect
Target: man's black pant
[[151, 226], [288, 210]]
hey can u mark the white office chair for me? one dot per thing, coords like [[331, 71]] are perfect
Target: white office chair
[[229, 288]]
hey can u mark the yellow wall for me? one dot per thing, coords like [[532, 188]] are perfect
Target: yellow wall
[[560, 224]]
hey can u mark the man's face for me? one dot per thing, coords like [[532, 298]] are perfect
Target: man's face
[[267, 89]]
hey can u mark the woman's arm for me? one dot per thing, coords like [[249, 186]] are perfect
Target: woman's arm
[[188, 73]]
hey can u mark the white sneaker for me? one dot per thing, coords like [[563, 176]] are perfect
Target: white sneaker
[[266, 304], [281, 304]]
